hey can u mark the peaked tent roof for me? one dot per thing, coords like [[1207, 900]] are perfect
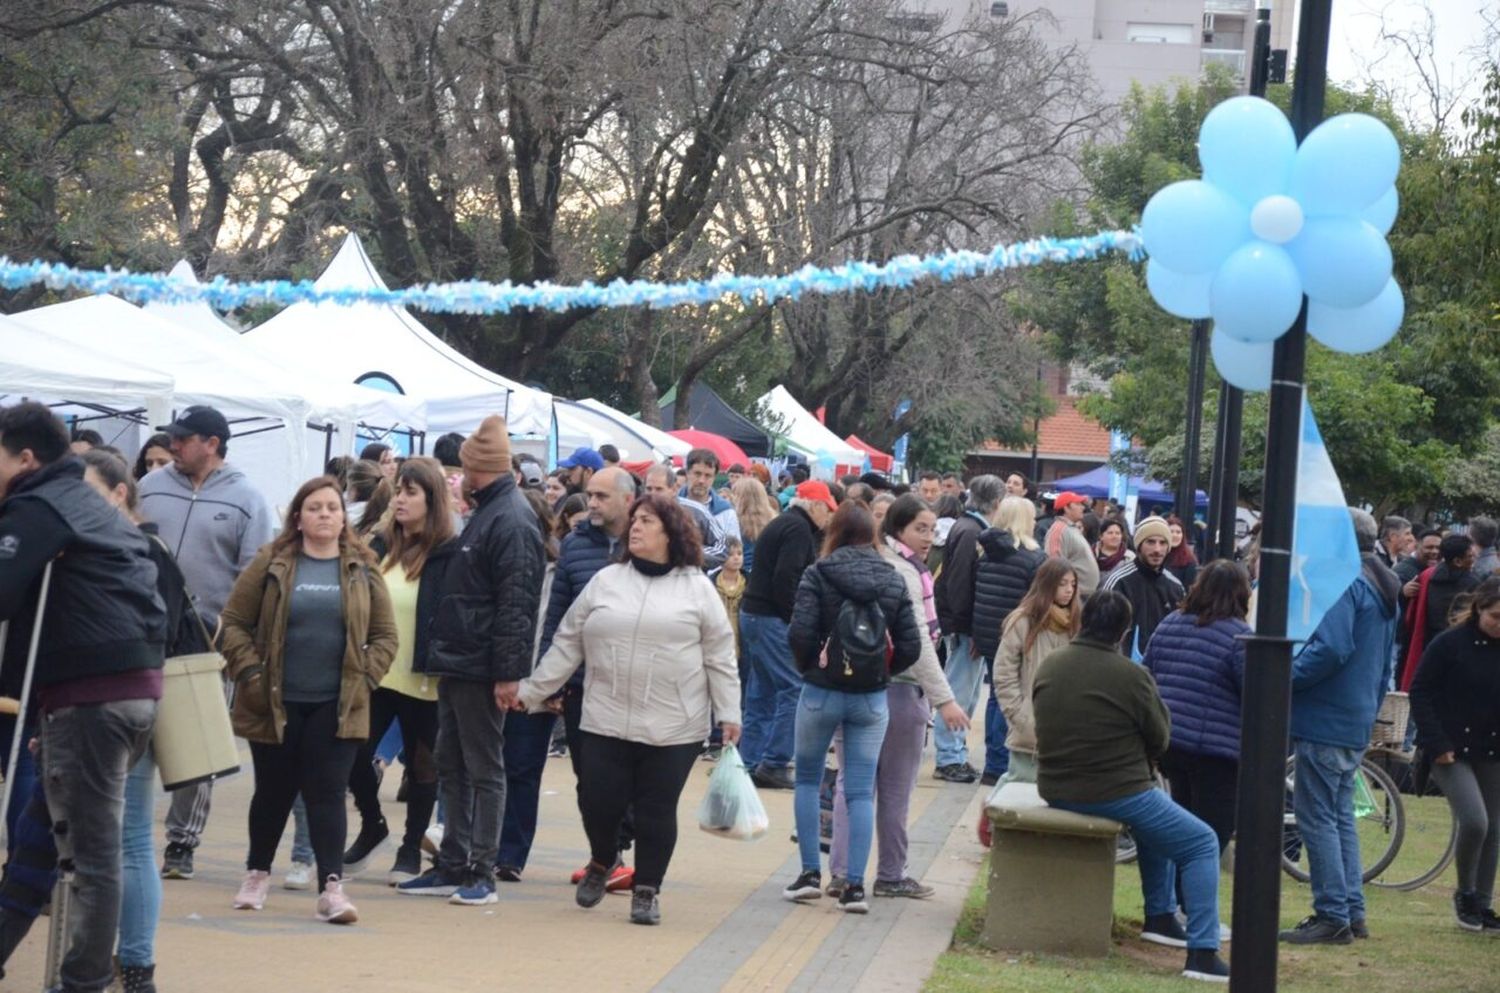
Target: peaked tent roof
[[581, 425], [40, 366], [809, 432], [377, 408], [368, 341], [707, 411]]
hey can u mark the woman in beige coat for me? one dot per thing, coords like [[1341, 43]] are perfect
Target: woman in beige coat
[[1046, 619], [308, 634], [660, 662]]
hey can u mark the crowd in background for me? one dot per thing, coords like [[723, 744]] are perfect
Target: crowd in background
[[472, 614]]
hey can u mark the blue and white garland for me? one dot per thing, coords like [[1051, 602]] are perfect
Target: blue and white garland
[[474, 297]]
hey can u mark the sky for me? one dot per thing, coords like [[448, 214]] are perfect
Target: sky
[[1356, 52]]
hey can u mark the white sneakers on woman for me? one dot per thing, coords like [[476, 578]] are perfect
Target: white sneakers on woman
[[334, 906]]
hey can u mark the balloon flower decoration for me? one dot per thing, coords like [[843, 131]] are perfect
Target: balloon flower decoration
[[1271, 221]]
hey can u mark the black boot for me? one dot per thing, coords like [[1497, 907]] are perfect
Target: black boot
[[138, 978]]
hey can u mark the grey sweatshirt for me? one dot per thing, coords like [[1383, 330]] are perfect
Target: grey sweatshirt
[[213, 532]]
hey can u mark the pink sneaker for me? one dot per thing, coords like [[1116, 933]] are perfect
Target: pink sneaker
[[333, 906], [252, 894]]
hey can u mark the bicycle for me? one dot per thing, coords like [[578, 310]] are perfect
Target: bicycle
[[1382, 820]]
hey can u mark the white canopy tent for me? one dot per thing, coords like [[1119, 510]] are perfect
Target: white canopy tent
[[665, 445], [374, 343], [376, 412], [77, 381], [267, 417], [807, 432], [579, 423]]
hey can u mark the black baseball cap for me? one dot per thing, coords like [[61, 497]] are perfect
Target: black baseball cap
[[202, 420]]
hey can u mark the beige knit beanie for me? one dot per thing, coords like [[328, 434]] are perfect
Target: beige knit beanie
[[488, 448], [1152, 527]]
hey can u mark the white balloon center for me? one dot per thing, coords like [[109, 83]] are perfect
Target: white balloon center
[[1277, 219]]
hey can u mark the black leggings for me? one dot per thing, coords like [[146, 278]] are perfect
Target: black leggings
[[1204, 785], [418, 738], [616, 775], [312, 760], [572, 717]]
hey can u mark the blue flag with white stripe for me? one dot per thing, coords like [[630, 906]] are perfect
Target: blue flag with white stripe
[[1325, 556]]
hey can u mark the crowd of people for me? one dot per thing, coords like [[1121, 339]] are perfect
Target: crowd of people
[[449, 609]]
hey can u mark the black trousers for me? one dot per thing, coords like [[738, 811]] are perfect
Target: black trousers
[[419, 722], [312, 760], [572, 715], [1205, 786], [618, 775]]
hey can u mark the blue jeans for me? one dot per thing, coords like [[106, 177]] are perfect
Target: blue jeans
[[301, 837], [1169, 838], [770, 711], [140, 902], [996, 755], [1323, 800], [527, 738], [862, 717], [965, 673]]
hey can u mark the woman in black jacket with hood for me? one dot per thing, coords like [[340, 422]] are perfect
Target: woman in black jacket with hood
[[852, 628], [414, 543], [1455, 700]]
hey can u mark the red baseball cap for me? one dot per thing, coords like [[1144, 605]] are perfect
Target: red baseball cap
[[815, 490], [1065, 498]]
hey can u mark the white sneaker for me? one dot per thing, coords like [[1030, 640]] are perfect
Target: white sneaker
[[298, 877], [432, 840]]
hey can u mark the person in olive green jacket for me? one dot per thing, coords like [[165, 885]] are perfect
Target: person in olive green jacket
[[1100, 728], [308, 635]]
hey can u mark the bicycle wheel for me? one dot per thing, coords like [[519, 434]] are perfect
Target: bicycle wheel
[[1427, 849], [1379, 822]]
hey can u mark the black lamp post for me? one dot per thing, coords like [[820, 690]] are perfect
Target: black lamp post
[[1266, 699]]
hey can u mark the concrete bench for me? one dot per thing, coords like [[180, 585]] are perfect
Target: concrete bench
[[1052, 876]]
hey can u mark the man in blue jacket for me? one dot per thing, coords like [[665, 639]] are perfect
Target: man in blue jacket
[[702, 467], [1338, 681]]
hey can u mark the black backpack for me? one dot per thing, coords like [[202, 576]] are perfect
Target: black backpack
[[858, 655]]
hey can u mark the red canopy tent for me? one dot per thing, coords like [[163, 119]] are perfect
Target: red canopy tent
[[879, 461], [728, 452]]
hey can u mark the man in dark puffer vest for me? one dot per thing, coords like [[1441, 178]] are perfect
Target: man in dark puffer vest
[[98, 669]]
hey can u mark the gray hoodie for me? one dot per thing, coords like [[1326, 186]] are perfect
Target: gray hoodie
[[213, 532]]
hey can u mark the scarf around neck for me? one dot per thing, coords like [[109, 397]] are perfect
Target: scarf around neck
[[929, 603]]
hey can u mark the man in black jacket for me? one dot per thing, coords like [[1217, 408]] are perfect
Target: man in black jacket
[[954, 593], [1153, 592], [482, 638], [786, 547], [98, 668]]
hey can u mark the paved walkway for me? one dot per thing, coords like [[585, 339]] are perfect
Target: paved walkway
[[724, 925]]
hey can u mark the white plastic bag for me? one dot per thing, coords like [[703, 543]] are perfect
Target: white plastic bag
[[731, 808]]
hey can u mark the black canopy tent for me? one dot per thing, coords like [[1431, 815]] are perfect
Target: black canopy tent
[[707, 411]]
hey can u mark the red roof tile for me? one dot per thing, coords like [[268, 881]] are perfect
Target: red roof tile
[[1066, 433]]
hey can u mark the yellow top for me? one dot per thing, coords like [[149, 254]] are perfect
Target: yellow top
[[404, 605]]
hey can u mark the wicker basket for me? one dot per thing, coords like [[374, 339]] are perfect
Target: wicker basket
[[1390, 722]]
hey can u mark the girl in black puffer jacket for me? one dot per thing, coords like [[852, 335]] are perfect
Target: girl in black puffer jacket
[[844, 599]]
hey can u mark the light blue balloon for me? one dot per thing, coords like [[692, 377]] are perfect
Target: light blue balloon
[[1192, 226], [1345, 165], [1247, 147], [1358, 329], [1242, 363], [1256, 294], [1381, 215], [1344, 261], [1179, 294]]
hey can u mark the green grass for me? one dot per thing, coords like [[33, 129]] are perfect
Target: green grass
[[1414, 945]]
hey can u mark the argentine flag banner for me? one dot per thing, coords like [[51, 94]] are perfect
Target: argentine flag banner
[[1325, 557]]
